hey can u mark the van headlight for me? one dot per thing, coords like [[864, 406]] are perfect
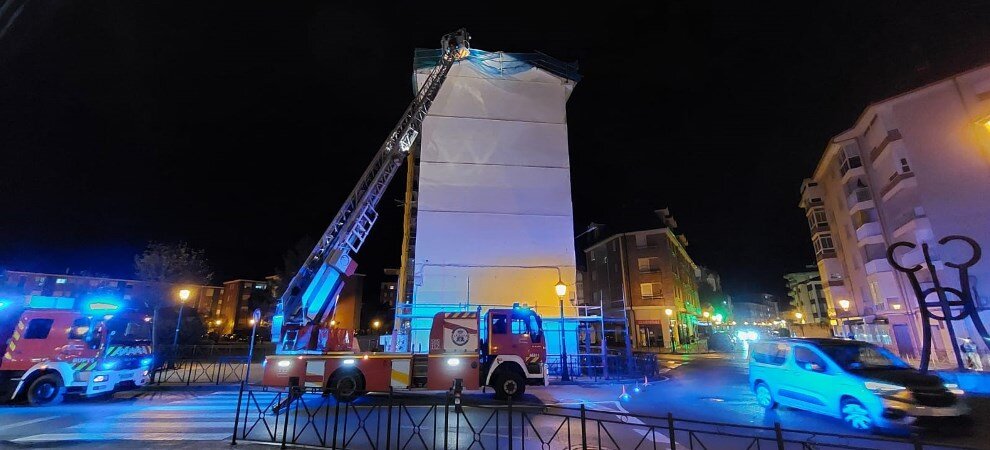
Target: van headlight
[[954, 388], [100, 379], [453, 362], [883, 388], [284, 363]]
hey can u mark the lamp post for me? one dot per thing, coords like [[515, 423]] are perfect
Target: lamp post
[[375, 325], [844, 304], [561, 290], [183, 296], [670, 321]]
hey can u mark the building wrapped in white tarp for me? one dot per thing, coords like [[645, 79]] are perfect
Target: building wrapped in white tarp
[[494, 220]]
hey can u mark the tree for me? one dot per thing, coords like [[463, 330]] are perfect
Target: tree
[[166, 264], [172, 263]]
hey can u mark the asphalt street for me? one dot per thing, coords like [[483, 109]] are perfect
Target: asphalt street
[[715, 388], [697, 387]]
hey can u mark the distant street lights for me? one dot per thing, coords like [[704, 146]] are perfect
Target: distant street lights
[[183, 297], [561, 289]]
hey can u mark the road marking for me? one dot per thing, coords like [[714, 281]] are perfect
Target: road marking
[[52, 437], [177, 415], [152, 426], [29, 422]]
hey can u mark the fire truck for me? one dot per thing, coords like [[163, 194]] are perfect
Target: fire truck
[[502, 348], [57, 346]]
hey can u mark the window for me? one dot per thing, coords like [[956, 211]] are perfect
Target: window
[[649, 264], [498, 324], [641, 240], [80, 327], [260, 286], [905, 168], [808, 359], [61, 280], [770, 353], [651, 290], [817, 218], [38, 328], [849, 161], [823, 243]]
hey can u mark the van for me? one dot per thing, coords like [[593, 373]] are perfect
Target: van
[[864, 385]]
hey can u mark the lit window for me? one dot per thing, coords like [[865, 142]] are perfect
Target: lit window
[[60, 280]]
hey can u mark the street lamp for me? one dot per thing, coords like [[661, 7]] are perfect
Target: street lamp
[[561, 289], [374, 325], [670, 321], [844, 304], [183, 297], [706, 314]]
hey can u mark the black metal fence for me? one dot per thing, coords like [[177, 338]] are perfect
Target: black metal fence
[[222, 370], [392, 421], [594, 366]]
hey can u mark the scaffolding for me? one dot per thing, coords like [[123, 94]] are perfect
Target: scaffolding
[[587, 321]]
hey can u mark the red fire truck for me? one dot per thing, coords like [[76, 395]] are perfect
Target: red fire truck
[[55, 346], [503, 348]]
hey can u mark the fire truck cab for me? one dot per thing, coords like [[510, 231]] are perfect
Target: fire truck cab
[[58, 346], [504, 349]]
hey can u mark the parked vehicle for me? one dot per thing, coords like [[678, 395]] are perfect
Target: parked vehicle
[[863, 384], [722, 342], [55, 346]]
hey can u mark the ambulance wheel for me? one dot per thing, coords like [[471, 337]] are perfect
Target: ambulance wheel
[[509, 384], [346, 387], [46, 390]]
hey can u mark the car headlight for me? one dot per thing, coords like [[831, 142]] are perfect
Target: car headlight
[[883, 388], [954, 388], [100, 379]]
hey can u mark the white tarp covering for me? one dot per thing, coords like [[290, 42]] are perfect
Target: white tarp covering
[[495, 220]]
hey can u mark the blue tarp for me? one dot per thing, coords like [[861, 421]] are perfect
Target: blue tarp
[[498, 64]]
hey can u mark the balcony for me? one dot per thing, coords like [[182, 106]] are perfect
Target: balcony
[[899, 181], [859, 199], [910, 221], [868, 233]]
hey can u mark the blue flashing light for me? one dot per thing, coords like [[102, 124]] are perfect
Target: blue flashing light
[[109, 365], [3, 303], [625, 397], [146, 362], [636, 389], [102, 305]]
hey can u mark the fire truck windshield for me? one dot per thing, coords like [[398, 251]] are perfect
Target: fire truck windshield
[[129, 329]]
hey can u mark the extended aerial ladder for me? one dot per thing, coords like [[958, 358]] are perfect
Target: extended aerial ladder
[[310, 298]]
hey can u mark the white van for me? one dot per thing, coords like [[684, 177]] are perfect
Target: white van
[[861, 383]]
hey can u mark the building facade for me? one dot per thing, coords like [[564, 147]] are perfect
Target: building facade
[[808, 298], [913, 168], [203, 298], [637, 277], [762, 308], [489, 213]]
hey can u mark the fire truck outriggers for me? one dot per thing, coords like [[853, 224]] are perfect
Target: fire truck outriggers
[[57, 346], [503, 347]]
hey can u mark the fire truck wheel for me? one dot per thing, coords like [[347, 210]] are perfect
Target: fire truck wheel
[[509, 384], [346, 387], [46, 390]]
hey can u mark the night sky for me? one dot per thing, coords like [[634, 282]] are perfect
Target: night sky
[[240, 126]]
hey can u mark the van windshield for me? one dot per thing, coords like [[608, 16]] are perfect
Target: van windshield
[[857, 357]]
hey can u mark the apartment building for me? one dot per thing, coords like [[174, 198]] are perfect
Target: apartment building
[[639, 276], [912, 168], [808, 298]]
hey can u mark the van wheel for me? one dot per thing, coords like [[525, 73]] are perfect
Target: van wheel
[[856, 415], [346, 388], [764, 397], [509, 384], [46, 390]]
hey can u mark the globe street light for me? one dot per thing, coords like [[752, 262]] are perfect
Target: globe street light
[[183, 297], [561, 289], [670, 321], [374, 325], [844, 304]]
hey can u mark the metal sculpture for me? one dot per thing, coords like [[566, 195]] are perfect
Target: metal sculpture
[[964, 296]]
